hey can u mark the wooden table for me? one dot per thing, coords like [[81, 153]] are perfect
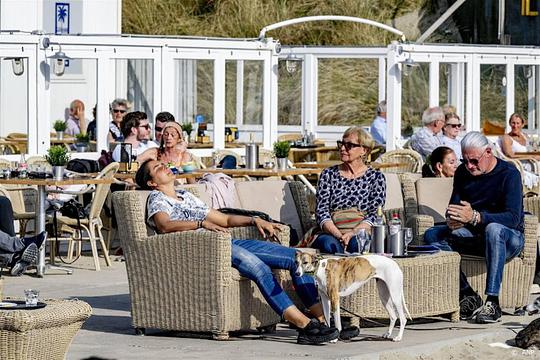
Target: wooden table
[[329, 163], [131, 175], [528, 153], [317, 153], [210, 145], [40, 206]]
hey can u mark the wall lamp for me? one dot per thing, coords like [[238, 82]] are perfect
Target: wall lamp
[[17, 65], [291, 63], [59, 58], [408, 65]]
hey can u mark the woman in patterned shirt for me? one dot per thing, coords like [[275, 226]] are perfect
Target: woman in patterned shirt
[[352, 184], [171, 210]]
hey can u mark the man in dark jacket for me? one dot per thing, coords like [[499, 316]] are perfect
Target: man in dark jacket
[[484, 217]]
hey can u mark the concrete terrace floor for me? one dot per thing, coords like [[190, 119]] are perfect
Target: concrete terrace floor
[[108, 333]]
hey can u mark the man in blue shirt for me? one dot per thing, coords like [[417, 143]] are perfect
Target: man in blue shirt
[[485, 218], [378, 126]]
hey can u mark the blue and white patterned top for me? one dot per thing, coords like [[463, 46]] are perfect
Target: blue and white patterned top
[[186, 207], [334, 192]]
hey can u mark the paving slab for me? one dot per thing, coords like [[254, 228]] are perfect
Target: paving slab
[[108, 333]]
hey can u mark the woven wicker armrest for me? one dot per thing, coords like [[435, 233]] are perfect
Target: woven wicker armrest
[[532, 205], [251, 232], [531, 240], [419, 224]]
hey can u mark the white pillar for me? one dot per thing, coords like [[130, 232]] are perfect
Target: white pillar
[[433, 83], [270, 100], [473, 95], [510, 93], [219, 103], [309, 93], [382, 79], [393, 88], [240, 92]]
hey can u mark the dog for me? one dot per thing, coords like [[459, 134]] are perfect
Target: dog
[[342, 276], [529, 309]]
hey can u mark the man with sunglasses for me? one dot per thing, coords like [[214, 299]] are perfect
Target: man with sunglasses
[[484, 218], [427, 139], [451, 129], [161, 119], [119, 108], [136, 131]]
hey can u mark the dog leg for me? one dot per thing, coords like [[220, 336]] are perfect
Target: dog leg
[[326, 307], [398, 300], [384, 295]]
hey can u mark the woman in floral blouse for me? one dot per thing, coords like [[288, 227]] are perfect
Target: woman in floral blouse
[[353, 184]]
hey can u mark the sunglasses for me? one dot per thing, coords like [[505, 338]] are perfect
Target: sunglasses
[[147, 126], [455, 126], [473, 162], [348, 145], [119, 111], [158, 129]]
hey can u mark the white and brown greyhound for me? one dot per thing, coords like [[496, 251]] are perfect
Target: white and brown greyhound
[[341, 276]]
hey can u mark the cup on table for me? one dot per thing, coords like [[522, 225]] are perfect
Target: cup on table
[[364, 242], [407, 237], [31, 297]]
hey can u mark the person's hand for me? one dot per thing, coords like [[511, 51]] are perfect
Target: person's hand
[[462, 213], [214, 227], [267, 229], [345, 238], [453, 224]]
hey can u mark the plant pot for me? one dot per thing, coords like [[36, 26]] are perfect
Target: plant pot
[[58, 172], [60, 135], [81, 147], [282, 163]]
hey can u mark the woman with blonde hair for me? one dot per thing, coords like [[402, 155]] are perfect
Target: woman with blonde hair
[[350, 185], [76, 120], [516, 140]]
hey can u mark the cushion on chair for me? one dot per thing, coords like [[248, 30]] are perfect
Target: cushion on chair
[[394, 196], [433, 197], [272, 197]]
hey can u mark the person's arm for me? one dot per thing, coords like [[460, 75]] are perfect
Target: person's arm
[[324, 190], [149, 154], [510, 214], [377, 197], [506, 146]]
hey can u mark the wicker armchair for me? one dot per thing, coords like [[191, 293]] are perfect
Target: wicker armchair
[[433, 195], [410, 157], [184, 281]]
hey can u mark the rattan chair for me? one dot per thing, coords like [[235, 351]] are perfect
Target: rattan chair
[[5, 164], [93, 224], [184, 281], [23, 199], [38, 161], [220, 154], [412, 160]]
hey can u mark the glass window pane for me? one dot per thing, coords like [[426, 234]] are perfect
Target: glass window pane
[[135, 82], [522, 73], [414, 98], [289, 95], [493, 94], [231, 71], [253, 92], [14, 107], [444, 70], [73, 96], [348, 91]]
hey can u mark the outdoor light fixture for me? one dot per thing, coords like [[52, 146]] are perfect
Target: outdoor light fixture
[[408, 65], [59, 62], [291, 63], [528, 71], [59, 58], [17, 64]]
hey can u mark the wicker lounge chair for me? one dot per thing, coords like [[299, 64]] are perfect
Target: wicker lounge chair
[[184, 281], [410, 157]]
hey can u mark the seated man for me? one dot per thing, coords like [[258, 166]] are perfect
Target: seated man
[[136, 131], [16, 252], [485, 218], [428, 138]]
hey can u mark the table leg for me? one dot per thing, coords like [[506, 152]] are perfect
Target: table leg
[[40, 227]]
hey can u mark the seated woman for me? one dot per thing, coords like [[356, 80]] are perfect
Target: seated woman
[[353, 184], [171, 210], [516, 140], [173, 149], [441, 163]]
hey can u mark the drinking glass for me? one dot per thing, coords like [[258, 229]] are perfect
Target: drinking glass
[[362, 237], [407, 237], [31, 297]]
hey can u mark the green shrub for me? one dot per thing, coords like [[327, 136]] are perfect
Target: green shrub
[[187, 127], [83, 138], [281, 149], [60, 125], [57, 155]]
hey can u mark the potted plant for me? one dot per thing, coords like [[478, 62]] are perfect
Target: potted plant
[[58, 157], [82, 142], [188, 129], [59, 126], [281, 150]]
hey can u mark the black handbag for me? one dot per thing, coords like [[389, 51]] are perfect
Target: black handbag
[[73, 209]]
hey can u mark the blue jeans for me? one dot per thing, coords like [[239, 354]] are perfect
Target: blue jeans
[[255, 260], [328, 244], [497, 244]]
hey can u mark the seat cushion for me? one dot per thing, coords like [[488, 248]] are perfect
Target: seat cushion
[[272, 197], [394, 195], [433, 197]]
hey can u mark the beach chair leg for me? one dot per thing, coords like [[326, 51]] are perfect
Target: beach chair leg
[[140, 331], [454, 317], [220, 335], [104, 248]]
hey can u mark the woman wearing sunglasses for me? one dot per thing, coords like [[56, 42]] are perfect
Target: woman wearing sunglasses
[[119, 108], [451, 129], [353, 185]]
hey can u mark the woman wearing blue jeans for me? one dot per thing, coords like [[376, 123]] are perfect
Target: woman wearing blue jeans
[[171, 210]]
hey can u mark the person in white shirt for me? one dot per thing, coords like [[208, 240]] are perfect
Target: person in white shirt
[[136, 131], [378, 126], [451, 129], [427, 139]]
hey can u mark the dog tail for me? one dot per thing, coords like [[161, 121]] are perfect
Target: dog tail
[[405, 306]]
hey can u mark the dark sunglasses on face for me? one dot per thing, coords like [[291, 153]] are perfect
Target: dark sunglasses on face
[[473, 162], [146, 126], [348, 145], [455, 125], [119, 111], [158, 129]]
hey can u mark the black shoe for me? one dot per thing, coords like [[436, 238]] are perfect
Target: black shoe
[[469, 305], [22, 260], [316, 333], [38, 239], [489, 313], [349, 333]]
